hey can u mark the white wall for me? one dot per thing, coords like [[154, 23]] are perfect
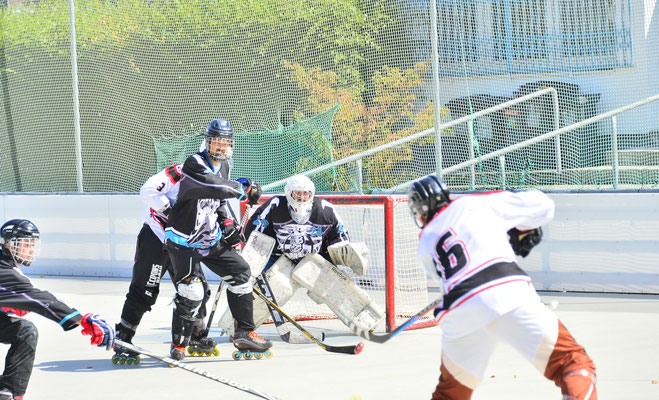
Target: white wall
[[596, 242]]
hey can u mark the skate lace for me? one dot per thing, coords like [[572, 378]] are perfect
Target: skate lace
[[256, 337]]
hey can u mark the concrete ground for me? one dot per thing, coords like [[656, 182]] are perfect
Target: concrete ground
[[618, 331]]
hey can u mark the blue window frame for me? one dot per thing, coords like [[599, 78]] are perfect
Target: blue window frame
[[525, 36]]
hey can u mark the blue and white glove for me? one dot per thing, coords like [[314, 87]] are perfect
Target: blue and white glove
[[102, 333]]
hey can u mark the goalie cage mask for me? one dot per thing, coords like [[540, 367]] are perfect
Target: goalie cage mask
[[300, 191], [22, 240]]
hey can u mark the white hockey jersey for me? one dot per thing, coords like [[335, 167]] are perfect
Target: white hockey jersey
[[466, 244], [158, 191]]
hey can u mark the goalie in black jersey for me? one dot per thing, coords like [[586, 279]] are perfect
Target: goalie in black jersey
[[20, 241], [311, 241]]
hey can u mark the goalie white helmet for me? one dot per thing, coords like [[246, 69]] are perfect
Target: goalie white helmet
[[299, 194]]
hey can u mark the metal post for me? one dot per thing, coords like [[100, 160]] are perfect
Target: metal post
[[360, 176], [470, 124], [9, 120], [559, 164], [76, 101], [502, 165], [435, 87], [614, 151]]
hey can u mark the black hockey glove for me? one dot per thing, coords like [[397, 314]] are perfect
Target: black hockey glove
[[252, 190], [232, 236], [523, 241]]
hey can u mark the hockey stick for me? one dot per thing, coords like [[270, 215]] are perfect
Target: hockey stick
[[176, 363], [353, 349], [284, 331], [373, 337], [210, 317]]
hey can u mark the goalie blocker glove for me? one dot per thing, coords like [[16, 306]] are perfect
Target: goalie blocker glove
[[523, 241]]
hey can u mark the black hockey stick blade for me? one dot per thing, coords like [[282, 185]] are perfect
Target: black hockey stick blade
[[283, 328], [374, 337], [176, 363], [351, 349]]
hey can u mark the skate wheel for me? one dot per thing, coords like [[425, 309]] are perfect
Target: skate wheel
[[215, 352], [236, 355], [248, 356], [137, 360], [258, 356], [192, 353], [115, 359], [122, 361], [129, 361], [268, 354]]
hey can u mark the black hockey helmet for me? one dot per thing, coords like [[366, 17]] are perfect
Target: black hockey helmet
[[21, 239], [219, 128], [426, 197]]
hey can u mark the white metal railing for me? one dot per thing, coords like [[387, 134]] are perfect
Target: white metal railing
[[556, 133], [467, 118]]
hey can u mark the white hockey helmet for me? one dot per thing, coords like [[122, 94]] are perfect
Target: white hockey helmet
[[299, 194]]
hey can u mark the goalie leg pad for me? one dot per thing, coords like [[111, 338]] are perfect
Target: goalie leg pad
[[327, 283], [282, 286], [351, 254]]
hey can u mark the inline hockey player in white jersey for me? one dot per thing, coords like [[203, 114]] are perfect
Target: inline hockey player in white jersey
[[311, 241], [199, 230], [470, 243], [159, 192]]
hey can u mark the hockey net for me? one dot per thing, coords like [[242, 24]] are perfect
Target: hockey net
[[394, 279]]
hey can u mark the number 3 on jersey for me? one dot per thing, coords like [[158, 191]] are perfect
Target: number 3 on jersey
[[450, 255]]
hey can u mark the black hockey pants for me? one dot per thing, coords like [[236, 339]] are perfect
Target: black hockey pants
[[22, 337], [225, 262], [151, 263]]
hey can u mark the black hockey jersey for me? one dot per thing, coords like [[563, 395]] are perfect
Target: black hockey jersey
[[195, 218], [324, 228], [17, 292]]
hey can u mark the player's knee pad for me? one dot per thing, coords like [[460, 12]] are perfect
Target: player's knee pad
[[579, 385], [325, 283], [188, 298], [27, 333]]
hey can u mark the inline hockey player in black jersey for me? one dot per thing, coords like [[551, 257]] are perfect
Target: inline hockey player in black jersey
[[19, 247], [199, 230], [311, 241]]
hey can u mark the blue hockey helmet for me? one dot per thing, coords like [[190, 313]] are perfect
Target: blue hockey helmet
[[219, 131]]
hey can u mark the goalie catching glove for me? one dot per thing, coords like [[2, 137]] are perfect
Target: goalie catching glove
[[101, 332], [351, 254], [523, 241]]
